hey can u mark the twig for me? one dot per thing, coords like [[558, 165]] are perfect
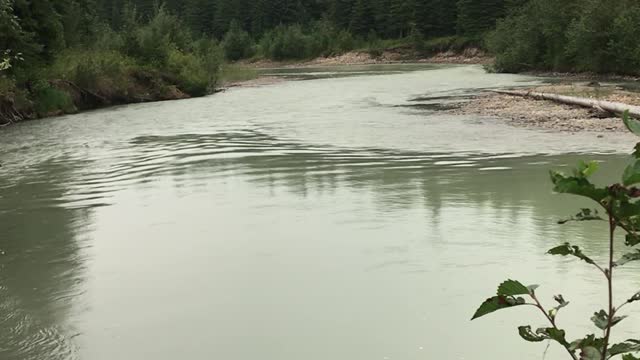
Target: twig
[[612, 311], [553, 323]]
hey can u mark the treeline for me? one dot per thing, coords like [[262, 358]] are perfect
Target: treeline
[[305, 28], [601, 36], [387, 18], [60, 55], [568, 35], [57, 55]]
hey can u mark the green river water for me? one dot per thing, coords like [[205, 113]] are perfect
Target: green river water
[[341, 216]]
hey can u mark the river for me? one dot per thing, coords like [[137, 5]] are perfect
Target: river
[[337, 216]]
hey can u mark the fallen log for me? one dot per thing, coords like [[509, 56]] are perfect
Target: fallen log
[[608, 106]]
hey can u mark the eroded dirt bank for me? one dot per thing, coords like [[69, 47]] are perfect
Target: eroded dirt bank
[[397, 56], [142, 86]]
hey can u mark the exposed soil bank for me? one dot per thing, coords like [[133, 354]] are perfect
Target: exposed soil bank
[[549, 115], [144, 87], [395, 56]]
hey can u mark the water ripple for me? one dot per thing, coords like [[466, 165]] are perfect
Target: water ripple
[[91, 178]]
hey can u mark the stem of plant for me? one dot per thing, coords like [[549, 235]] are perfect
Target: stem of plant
[[553, 323], [612, 311]]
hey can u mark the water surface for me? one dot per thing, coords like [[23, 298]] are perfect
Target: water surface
[[338, 217]]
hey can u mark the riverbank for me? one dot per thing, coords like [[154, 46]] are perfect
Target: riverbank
[[59, 97], [468, 56], [518, 111], [522, 112], [548, 115]]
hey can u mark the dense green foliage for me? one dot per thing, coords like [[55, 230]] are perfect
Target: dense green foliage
[[572, 35], [583, 35], [64, 54], [621, 212], [118, 49], [56, 54], [296, 29]]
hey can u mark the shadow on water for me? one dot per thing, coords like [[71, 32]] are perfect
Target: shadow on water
[[41, 266]]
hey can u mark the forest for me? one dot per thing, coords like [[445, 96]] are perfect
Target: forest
[[59, 56]]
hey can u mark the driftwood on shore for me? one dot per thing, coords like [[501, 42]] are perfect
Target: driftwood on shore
[[607, 106]]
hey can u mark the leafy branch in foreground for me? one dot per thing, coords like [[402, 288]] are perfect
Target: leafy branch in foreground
[[621, 210]]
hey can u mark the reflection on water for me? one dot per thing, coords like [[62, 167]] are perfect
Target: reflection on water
[[329, 72], [41, 266], [226, 240]]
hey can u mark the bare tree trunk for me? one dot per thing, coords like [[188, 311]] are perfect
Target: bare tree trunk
[[609, 106]]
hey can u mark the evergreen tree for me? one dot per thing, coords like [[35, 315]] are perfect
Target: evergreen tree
[[179, 7], [199, 15], [437, 17], [284, 11], [226, 11], [475, 17], [111, 11], [78, 19], [340, 12], [14, 39], [146, 9], [402, 13], [260, 17], [41, 18], [383, 19], [363, 18]]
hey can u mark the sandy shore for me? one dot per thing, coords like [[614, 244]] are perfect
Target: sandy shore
[[548, 115]]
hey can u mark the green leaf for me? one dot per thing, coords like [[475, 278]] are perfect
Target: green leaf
[[497, 303], [511, 288], [601, 320], [632, 124], [542, 334], [629, 357], [632, 239], [636, 151], [577, 185], [634, 298], [561, 304], [631, 174], [586, 169], [625, 347], [567, 249], [555, 334], [627, 258], [527, 334], [588, 342], [561, 301], [583, 215], [590, 353], [617, 319]]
